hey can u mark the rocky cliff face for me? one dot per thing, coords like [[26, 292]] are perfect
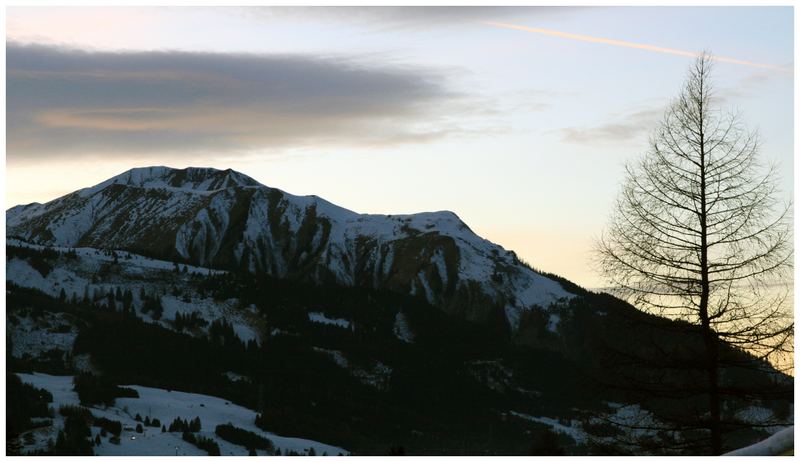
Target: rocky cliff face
[[224, 219]]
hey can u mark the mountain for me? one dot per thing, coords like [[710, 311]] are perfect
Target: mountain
[[224, 219], [289, 324]]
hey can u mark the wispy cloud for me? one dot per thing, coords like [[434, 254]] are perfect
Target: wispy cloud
[[627, 128], [62, 101], [408, 17], [639, 46], [744, 88]]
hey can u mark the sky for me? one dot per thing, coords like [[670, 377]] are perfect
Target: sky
[[518, 119]]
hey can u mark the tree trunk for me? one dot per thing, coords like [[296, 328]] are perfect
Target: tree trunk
[[715, 423], [709, 336]]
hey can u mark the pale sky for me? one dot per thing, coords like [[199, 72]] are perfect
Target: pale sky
[[521, 127]]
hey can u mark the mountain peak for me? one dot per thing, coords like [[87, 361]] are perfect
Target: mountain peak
[[191, 178], [226, 220]]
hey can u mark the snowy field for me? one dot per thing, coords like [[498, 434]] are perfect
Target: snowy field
[[166, 406]]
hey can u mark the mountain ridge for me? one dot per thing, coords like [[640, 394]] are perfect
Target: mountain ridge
[[225, 219]]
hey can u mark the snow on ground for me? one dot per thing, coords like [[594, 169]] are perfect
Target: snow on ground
[[495, 376], [83, 363], [200, 236], [635, 421], [275, 331], [192, 179], [129, 259], [139, 274], [376, 374], [322, 319], [437, 259], [388, 261], [336, 356], [244, 331], [552, 322], [513, 313], [535, 289], [574, 430], [778, 444], [756, 414], [211, 310], [21, 273], [477, 263], [234, 377], [34, 336], [401, 329], [60, 386], [166, 406], [429, 296], [491, 373]]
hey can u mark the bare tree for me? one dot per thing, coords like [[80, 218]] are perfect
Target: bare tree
[[698, 234]]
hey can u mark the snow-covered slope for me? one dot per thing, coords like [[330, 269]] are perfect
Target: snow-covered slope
[[224, 219], [78, 278], [164, 405]]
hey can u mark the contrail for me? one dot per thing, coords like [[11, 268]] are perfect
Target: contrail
[[640, 46]]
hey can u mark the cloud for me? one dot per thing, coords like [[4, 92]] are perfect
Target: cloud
[[637, 123], [409, 17], [63, 101], [628, 128], [744, 88]]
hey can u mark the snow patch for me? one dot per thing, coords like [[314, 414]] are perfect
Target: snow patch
[[756, 414], [553, 321], [425, 287], [320, 318], [401, 328], [32, 337], [574, 430], [375, 375]]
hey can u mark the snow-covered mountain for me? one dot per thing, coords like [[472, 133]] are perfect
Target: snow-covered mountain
[[141, 282], [224, 219]]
